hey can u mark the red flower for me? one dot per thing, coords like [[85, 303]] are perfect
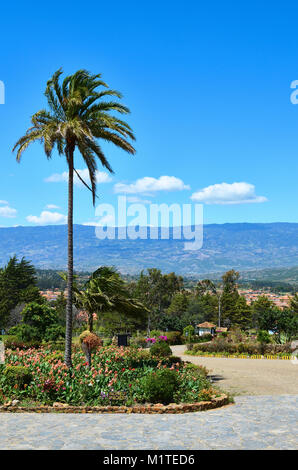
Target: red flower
[[129, 385]]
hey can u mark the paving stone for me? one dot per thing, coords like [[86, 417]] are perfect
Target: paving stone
[[259, 422]]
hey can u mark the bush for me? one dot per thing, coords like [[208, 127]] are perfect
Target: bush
[[223, 334], [54, 333], [138, 342], [56, 345], [25, 333], [160, 386], [173, 360], [13, 342], [241, 348], [197, 370], [155, 333], [10, 340], [17, 376], [160, 349], [188, 332], [174, 337], [206, 337], [263, 337]]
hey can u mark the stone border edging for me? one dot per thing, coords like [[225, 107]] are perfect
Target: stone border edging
[[173, 408]]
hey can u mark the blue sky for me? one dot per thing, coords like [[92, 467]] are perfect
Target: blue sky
[[208, 86]]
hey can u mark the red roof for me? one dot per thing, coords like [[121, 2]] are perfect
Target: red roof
[[206, 325]]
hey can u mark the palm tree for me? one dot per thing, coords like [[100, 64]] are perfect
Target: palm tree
[[76, 118], [104, 292]]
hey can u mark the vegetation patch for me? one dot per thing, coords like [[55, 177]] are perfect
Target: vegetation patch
[[117, 377]]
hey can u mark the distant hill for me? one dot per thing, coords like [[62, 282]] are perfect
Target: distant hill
[[245, 247]]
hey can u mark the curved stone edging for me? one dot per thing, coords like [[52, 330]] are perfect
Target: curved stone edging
[[216, 402]]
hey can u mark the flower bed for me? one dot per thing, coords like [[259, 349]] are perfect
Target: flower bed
[[118, 377]]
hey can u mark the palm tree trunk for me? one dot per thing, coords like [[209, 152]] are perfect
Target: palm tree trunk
[[90, 322], [68, 333]]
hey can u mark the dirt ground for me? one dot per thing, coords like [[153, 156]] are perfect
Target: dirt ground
[[248, 376]]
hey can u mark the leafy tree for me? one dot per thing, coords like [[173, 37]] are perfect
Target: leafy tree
[[156, 291], [243, 314], [263, 313], [39, 316], [37, 320], [17, 285], [294, 303], [230, 296], [206, 288], [76, 117], [268, 320], [179, 304], [60, 308]]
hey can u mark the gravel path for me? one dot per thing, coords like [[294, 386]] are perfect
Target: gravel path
[[248, 376], [252, 423]]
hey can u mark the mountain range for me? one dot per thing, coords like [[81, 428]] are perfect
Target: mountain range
[[241, 246]]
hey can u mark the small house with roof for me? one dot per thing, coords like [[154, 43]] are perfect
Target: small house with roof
[[206, 328]]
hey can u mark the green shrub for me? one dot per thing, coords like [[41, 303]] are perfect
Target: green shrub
[[17, 375], [54, 333], [173, 337], [188, 331], [138, 341], [57, 346], [223, 334], [25, 332], [160, 349], [155, 333], [13, 342], [263, 337], [197, 370], [173, 360], [10, 340], [204, 338], [160, 386]]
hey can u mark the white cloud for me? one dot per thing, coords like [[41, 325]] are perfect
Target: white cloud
[[101, 177], [225, 193], [52, 206], [149, 185], [47, 217], [6, 210]]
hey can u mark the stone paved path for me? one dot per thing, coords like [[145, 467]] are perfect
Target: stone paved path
[[260, 422]]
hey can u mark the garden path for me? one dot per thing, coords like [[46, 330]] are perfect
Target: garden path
[[248, 376]]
